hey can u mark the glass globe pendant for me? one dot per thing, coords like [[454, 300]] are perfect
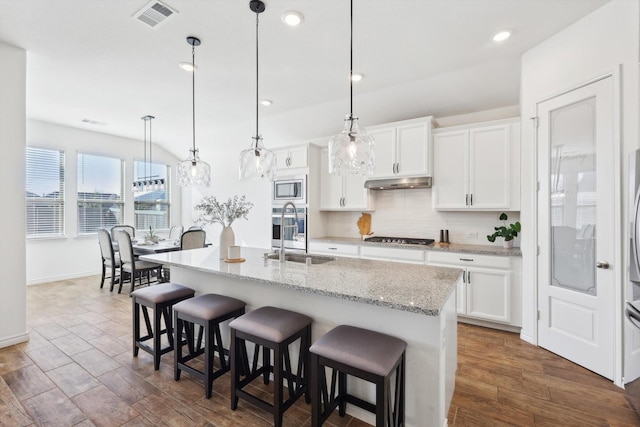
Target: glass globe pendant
[[192, 171], [257, 162], [352, 151]]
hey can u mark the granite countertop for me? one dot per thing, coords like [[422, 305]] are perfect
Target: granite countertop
[[451, 247], [415, 288]]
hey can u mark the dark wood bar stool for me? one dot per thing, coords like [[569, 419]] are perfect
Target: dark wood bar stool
[[272, 329], [365, 354], [159, 298], [208, 311]]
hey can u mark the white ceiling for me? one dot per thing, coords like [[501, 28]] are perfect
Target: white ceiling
[[89, 59]]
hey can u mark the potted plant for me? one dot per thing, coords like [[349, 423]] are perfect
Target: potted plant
[[151, 236], [212, 211], [508, 232]]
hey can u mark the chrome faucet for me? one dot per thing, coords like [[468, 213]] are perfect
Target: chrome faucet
[[282, 227]]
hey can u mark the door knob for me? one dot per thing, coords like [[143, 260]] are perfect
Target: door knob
[[602, 264]]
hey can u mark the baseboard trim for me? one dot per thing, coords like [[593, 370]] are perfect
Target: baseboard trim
[[528, 338], [61, 277], [16, 339], [487, 324]]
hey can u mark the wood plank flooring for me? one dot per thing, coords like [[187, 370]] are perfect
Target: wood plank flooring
[[78, 369]]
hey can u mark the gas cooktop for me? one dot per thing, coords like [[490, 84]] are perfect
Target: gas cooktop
[[400, 240]]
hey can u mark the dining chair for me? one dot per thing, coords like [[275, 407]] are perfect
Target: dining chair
[[175, 232], [133, 266], [110, 259], [128, 228], [194, 227], [193, 239]]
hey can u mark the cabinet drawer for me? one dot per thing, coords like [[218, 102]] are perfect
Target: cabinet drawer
[[468, 260], [393, 254], [337, 249]]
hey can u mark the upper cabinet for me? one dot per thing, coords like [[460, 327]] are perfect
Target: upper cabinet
[[291, 157], [403, 148], [342, 193], [477, 167]]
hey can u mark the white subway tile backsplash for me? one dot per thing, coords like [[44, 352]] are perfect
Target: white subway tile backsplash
[[409, 213]]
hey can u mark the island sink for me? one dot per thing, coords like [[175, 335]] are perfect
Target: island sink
[[302, 258]]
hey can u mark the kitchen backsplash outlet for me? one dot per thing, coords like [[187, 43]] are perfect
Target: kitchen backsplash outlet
[[409, 213]]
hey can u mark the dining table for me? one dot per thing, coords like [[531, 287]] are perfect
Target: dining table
[[145, 248]]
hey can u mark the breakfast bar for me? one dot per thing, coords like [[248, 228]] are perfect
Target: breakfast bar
[[415, 303]]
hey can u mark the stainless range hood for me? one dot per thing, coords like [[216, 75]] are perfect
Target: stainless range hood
[[399, 183]]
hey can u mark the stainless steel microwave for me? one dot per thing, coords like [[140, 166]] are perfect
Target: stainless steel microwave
[[290, 189]]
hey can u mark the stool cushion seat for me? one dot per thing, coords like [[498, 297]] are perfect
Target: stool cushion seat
[[163, 292], [209, 306], [271, 323], [360, 348]]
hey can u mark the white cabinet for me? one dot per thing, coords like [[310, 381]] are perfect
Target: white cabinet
[[336, 249], [291, 157], [392, 254], [344, 193], [403, 148], [477, 167], [490, 289]]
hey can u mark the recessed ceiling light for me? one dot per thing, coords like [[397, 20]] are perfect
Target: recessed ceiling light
[[292, 17], [266, 102], [501, 36], [187, 66], [356, 77]]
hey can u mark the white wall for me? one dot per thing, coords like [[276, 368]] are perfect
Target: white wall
[[75, 256], [597, 44], [13, 306], [409, 213]]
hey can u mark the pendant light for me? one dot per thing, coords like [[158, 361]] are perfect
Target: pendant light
[[257, 162], [193, 171], [147, 182], [351, 151]]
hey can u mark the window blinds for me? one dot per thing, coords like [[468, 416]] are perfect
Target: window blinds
[[44, 192]]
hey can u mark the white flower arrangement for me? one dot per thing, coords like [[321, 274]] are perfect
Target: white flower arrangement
[[212, 211]]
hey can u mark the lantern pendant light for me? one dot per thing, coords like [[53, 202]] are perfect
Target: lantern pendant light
[[351, 151], [193, 171], [257, 162], [148, 182]]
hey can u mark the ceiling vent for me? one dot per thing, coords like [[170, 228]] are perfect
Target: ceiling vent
[[154, 13]]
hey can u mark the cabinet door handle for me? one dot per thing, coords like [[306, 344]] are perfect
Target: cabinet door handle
[[464, 277], [288, 161], [466, 259], [466, 200], [397, 167], [468, 277], [333, 249], [471, 199]]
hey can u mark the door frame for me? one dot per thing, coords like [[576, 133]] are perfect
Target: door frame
[[620, 261]]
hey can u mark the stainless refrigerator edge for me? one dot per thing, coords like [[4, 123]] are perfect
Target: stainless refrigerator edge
[[632, 288]]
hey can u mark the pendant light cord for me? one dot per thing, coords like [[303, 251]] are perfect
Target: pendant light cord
[[351, 65], [145, 147], [193, 96], [257, 79], [150, 157]]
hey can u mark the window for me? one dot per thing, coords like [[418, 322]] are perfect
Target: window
[[100, 192], [45, 192], [152, 208]]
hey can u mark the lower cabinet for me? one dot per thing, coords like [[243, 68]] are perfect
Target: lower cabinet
[[490, 288], [337, 249], [392, 254]]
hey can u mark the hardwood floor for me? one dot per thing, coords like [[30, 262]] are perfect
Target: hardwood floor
[[78, 369]]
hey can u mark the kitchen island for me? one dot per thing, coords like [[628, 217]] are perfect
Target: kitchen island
[[413, 302]]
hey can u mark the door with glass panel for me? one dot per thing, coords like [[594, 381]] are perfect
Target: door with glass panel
[[576, 167]]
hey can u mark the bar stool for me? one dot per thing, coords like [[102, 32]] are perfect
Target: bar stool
[[272, 329], [365, 354], [208, 311], [160, 298]]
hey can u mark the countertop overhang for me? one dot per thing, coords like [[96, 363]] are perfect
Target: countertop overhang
[[415, 288]]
